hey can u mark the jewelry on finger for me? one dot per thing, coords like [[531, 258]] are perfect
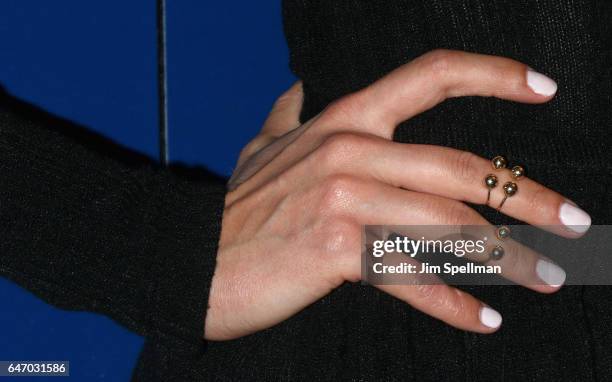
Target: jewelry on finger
[[510, 189], [499, 162], [503, 232], [491, 183], [517, 172], [497, 252]]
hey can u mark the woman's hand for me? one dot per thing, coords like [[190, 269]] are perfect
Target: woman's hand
[[301, 193]]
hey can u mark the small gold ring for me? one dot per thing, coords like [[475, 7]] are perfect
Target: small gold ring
[[503, 232], [517, 172], [491, 182], [499, 162], [510, 189], [497, 253]]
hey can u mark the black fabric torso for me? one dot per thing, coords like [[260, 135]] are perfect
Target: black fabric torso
[[359, 333]]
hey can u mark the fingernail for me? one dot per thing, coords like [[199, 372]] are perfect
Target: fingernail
[[540, 84], [574, 218], [550, 273], [490, 318]]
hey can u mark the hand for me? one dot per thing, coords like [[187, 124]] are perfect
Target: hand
[[292, 223]]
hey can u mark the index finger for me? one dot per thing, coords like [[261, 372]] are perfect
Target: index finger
[[436, 76]]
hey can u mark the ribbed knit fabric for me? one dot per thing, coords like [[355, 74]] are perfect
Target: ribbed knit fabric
[[360, 334], [357, 332], [112, 235]]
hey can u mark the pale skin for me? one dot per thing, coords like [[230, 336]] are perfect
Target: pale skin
[[291, 230]]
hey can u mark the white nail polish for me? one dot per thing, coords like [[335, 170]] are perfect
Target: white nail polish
[[490, 317], [574, 218], [540, 84], [550, 273]]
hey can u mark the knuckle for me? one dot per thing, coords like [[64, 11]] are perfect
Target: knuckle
[[288, 98], [337, 190], [329, 154], [341, 234], [345, 140], [465, 166], [513, 261], [454, 303], [425, 291], [340, 246], [539, 199], [343, 109], [441, 297], [282, 102], [339, 147], [440, 62], [459, 214]]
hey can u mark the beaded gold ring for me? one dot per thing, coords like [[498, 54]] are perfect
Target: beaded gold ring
[[510, 188], [491, 183]]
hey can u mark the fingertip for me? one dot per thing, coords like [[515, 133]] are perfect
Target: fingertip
[[296, 88], [553, 275], [574, 218], [285, 113], [490, 318], [540, 84], [293, 95]]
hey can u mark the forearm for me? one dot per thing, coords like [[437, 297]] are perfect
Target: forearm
[[87, 231]]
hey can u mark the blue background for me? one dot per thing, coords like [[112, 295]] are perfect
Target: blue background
[[94, 62]]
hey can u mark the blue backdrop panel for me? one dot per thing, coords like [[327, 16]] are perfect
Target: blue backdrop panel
[[93, 62], [227, 63]]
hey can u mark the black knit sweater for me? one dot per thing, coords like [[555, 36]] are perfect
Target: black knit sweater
[[90, 230], [88, 225]]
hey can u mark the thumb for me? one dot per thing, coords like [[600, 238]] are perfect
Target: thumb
[[284, 117], [285, 114]]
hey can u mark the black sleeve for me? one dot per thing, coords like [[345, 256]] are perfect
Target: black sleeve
[[87, 225]]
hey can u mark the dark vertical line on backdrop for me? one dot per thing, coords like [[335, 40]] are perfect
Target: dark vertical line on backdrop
[[162, 76]]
